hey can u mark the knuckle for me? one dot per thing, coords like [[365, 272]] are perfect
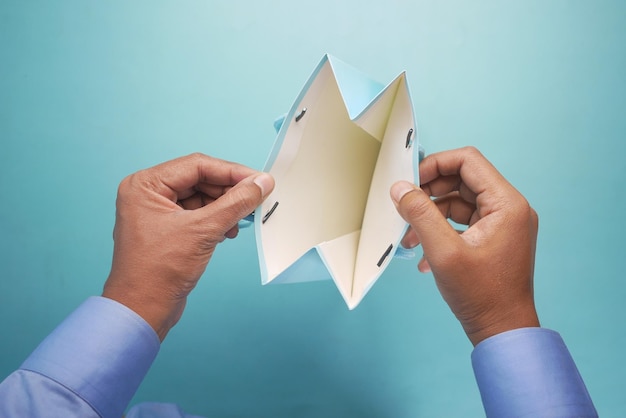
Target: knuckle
[[198, 156], [524, 209], [134, 184], [534, 217], [524, 213], [125, 186], [469, 149], [472, 151]]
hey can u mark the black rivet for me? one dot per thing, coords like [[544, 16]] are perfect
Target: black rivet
[[385, 254], [301, 115], [408, 138], [269, 213]]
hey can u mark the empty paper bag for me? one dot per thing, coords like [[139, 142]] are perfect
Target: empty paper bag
[[342, 145]]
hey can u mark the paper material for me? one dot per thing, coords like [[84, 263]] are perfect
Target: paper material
[[333, 169]]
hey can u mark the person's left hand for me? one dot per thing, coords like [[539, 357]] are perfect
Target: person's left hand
[[169, 220]]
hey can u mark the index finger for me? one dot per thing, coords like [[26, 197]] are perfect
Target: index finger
[[477, 180], [180, 177], [449, 171]]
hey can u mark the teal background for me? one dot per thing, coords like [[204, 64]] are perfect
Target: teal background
[[93, 91]]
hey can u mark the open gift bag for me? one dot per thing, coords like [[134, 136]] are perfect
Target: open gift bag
[[342, 145]]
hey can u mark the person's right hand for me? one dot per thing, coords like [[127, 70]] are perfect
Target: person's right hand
[[485, 273]]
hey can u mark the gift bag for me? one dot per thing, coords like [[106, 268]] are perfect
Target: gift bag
[[343, 143]]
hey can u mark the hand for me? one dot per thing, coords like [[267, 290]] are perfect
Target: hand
[[169, 220], [485, 273]]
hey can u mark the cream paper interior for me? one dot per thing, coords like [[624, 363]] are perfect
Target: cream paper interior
[[332, 183]]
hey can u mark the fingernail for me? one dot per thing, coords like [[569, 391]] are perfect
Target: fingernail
[[399, 189], [410, 242], [423, 266], [265, 183]]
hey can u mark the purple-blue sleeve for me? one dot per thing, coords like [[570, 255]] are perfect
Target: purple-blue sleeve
[[90, 365], [529, 372], [158, 410]]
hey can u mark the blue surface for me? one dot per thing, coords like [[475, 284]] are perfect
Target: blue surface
[[90, 92]]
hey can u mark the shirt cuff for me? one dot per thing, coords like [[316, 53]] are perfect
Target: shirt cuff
[[529, 372], [101, 352]]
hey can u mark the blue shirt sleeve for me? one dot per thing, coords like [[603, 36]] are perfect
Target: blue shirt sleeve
[[529, 372], [91, 365], [158, 410]]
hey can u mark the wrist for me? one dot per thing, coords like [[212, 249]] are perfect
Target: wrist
[[159, 315], [498, 322]]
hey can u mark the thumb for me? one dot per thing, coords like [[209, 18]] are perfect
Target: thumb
[[433, 230], [239, 201]]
